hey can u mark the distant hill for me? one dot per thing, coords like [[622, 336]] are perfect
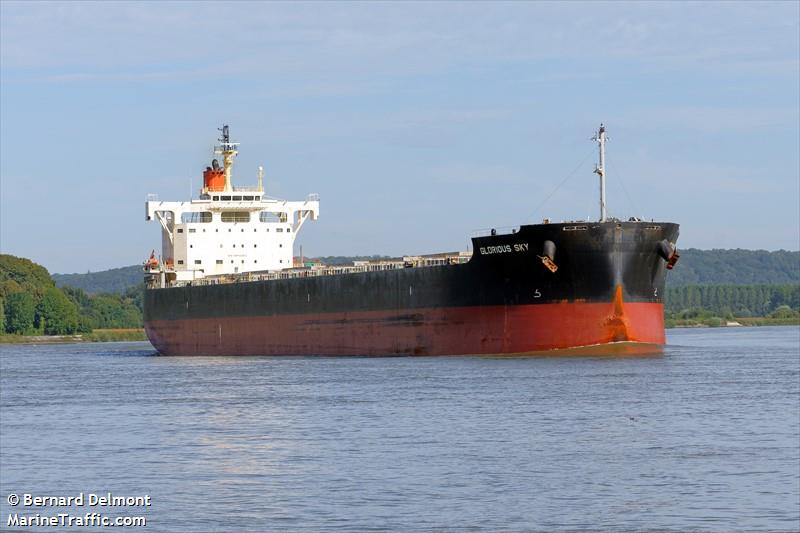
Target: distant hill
[[116, 280], [696, 267], [735, 267], [347, 259]]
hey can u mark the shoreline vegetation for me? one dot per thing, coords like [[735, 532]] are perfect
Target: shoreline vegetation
[[98, 335], [718, 322], [711, 288]]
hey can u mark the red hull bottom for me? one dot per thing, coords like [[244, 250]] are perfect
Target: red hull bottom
[[520, 329]]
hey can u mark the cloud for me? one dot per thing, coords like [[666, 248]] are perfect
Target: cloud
[[75, 41]]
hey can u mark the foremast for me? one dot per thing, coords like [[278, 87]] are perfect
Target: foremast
[[600, 169]]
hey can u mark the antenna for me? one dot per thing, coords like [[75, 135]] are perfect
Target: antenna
[[225, 136], [600, 169]]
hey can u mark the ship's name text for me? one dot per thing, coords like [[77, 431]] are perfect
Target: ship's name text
[[504, 249]]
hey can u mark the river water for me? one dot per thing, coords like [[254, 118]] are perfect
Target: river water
[[705, 436]]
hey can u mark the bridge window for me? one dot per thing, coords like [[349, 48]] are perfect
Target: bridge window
[[180, 230], [247, 198], [237, 198], [197, 262], [180, 261], [219, 261], [235, 216], [216, 198], [195, 217], [279, 230], [225, 198]]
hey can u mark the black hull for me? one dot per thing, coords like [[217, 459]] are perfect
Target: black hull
[[597, 263]]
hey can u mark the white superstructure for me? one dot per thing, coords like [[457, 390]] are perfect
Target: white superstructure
[[227, 230]]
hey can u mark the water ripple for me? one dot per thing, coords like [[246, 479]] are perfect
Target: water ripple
[[704, 437]]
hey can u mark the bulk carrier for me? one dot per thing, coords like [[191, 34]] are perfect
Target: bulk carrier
[[227, 283]]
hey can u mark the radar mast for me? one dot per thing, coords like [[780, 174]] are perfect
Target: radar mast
[[228, 150]]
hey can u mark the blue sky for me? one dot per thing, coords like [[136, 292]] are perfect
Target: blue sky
[[417, 123]]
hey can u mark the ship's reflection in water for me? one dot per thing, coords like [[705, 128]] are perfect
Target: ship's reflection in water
[[700, 435]]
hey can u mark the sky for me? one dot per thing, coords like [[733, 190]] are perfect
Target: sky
[[418, 123]]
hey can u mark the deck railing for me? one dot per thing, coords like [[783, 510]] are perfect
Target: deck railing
[[294, 273]]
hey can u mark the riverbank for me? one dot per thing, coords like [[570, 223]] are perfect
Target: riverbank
[[98, 335], [717, 322]]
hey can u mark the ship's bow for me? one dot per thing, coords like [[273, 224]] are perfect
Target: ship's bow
[[579, 284]]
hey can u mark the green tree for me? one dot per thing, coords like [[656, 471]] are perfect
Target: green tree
[[784, 311], [9, 286], [24, 271], [114, 311], [20, 310], [78, 297], [56, 314], [136, 295], [84, 304]]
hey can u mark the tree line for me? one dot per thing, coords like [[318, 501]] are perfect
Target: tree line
[[31, 304], [735, 267], [115, 280], [733, 300]]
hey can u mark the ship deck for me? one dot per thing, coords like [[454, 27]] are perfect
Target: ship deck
[[153, 277]]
